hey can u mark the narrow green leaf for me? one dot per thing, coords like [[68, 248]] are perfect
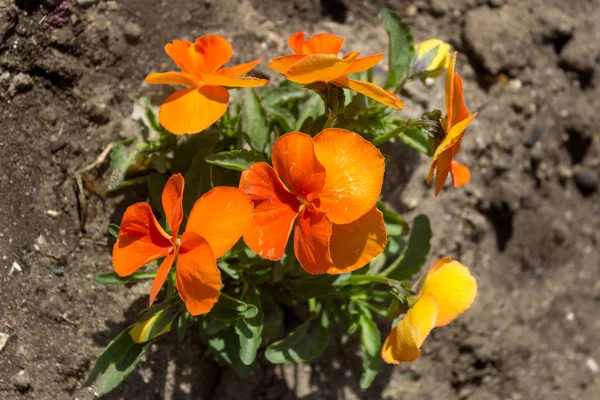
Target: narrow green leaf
[[394, 223], [286, 119], [182, 324], [250, 330], [254, 122], [370, 339], [310, 109], [115, 363], [113, 229], [418, 138], [237, 160], [282, 95], [111, 278], [311, 286], [415, 253], [122, 156], [401, 49], [155, 323], [189, 145], [305, 343]]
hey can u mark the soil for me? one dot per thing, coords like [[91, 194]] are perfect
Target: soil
[[528, 223]]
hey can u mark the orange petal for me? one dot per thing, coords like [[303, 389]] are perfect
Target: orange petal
[[161, 276], [460, 173], [229, 81], [193, 110], [459, 111], [364, 63], [172, 78], [323, 43], [371, 90], [319, 68], [275, 209], [141, 240], [355, 244], [453, 287], [172, 201], [220, 217], [178, 50], [214, 51], [311, 240], [296, 42], [284, 63], [198, 278], [239, 69], [354, 174], [405, 340], [442, 170], [295, 162]]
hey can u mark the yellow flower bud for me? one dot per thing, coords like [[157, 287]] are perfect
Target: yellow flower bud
[[432, 57]]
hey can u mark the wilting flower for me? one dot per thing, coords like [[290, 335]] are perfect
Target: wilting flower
[[215, 224], [448, 291], [431, 58], [315, 60], [205, 98], [455, 124], [329, 185]]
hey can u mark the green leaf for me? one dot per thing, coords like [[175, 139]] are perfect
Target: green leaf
[[249, 330], [229, 309], [370, 339], [286, 119], [311, 286], [418, 138], [122, 156], [197, 180], [182, 324], [415, 253], [237, 160], [401, 49], [189, 145], [254, 122], [305, 343], [151, 117], [111, 278], [115, 363], [395, 225], [310, 109], [226, 346], [282, 95], [113, 229], [156, 322], [156, 185]]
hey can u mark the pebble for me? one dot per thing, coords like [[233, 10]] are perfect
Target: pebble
[[3, 340], [592, 365], [586, 181], [52, 213], [59, 272], [15, 268], [20, 83], [21, 381], [133, 32]]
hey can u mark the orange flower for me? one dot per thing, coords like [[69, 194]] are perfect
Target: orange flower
[[215, 224], [455, 124], [335, 181], [205, 98], [316, 60], [448, 291]]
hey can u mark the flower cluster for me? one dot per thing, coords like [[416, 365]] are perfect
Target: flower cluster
[[321, 188]]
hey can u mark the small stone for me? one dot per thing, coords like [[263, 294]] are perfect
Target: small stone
[[20, 83], [86, 3], [581, 51], [592, 365], [3, 340], [586, 181], [59, 272], [515, 85], [52, 213], [21, 381], [133, 32], [15, 267], [570, 316]]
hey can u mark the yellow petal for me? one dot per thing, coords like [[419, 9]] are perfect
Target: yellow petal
[[172, 78], [453, 287], [453, 136], [284, 63], [319, 68], [441, 59], [229, 81], [363, 64], [404, 342], [370, 90], [239, 69]]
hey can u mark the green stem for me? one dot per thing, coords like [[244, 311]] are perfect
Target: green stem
[[359, 279], [379, 140]]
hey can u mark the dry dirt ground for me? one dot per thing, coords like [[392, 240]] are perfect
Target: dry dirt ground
[[528, 224]]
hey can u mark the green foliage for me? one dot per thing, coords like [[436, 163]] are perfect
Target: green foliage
[[111, 278], [370, 339], [237, 160], [117, 361], [254, 122], [415, 254], [304, 343], [401, 49], [229, 309], [250, 330]]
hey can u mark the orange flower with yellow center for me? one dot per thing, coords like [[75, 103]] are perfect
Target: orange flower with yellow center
[[449, 290], [455, 124], [329, 186], [205, 98], [315, 60], [216, 222]]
